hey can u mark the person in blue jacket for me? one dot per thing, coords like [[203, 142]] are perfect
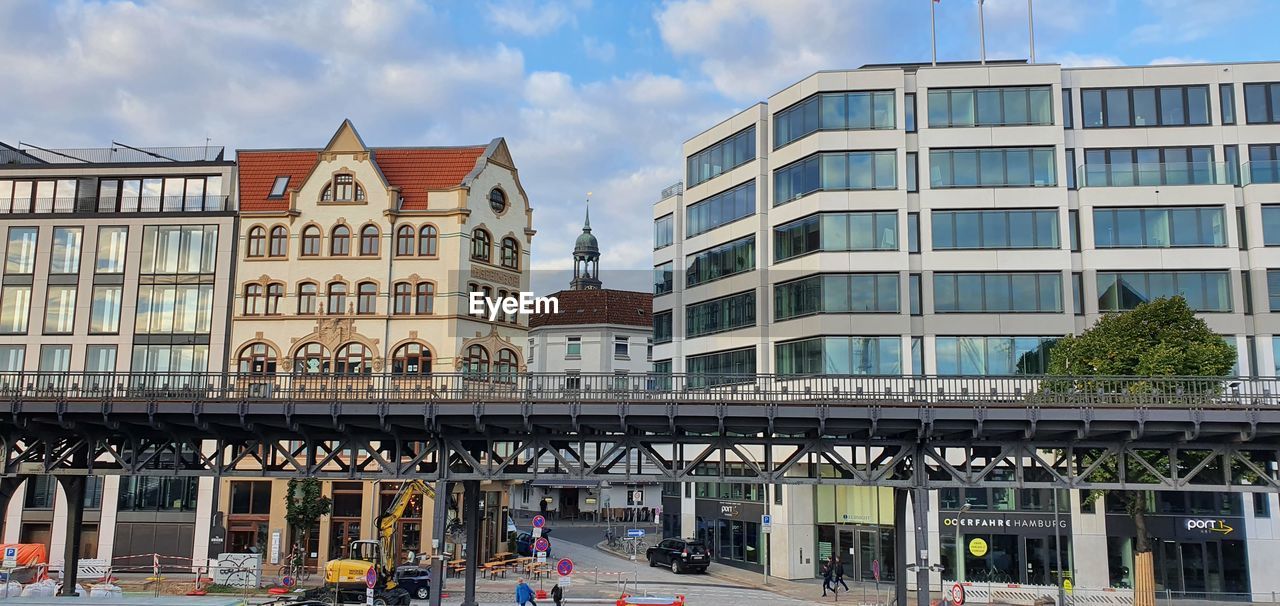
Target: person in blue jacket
[[524, 594]]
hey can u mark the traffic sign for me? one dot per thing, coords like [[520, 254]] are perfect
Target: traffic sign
[[875, 569], [370, 577], [287, 581], [537, 532], [564, 581], [542, 557], [766, 523], [539, 521], [957, 594], [10, 557], [637, 497], [368, 597], [564, 567], [635, 533], [542, 544]]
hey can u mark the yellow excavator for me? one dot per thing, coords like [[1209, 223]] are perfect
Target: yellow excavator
[[347, 575]]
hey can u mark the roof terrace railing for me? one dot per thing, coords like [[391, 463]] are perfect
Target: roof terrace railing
[[113, 205], [1010, 391], [121, 154]]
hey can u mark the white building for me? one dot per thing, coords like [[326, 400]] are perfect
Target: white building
[[954, 220]]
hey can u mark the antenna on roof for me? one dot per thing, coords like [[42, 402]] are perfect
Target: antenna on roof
[[149, 153], [50, 151]]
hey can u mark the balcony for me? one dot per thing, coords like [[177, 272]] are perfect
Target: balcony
[[1156, 174], [1261, 171], [114, 205]]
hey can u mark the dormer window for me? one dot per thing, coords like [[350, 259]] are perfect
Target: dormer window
[[343, 188], [277, 188]]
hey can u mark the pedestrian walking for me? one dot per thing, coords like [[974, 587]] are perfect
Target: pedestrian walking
[[524, 594], [838, 565], [557, 594], [826, 578]]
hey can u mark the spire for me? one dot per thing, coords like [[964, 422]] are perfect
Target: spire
[[586, 256], [586, 225]]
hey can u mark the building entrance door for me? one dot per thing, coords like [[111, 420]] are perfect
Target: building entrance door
[[858, 548]]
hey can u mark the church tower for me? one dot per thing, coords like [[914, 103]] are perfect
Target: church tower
[[586, 259]]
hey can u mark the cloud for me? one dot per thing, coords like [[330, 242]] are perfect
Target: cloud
[[597, 49], [1078, 60], [1176, 60], [526, 18], [1183, 21]]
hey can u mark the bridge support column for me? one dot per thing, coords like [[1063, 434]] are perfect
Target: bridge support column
[[920, 503], [73, 487], [471, 509], [900, 545], [440, 531], [8, 486]]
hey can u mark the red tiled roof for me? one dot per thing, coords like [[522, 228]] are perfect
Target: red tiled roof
[[602, 306], [414, 171]]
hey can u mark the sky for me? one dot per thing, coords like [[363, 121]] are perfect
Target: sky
[[591, 95]]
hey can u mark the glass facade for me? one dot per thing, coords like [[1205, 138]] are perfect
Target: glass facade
[[734, 366], [1159, 227], [721, 261], [718, 315], [997, 355], [1008, 106], [1206, 291], [720, 209], [662, 327], [663, 231], [1145, 107], [662, 279], [997, 292], [992, 167], [840, 356], [836, 294], [838, 171], [836, 232], [1125, 167], [722, 157], [1262, 102], [994, 229], [834, 111]]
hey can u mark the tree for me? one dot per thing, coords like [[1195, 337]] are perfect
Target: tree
[[1162, 338], [304, 506]]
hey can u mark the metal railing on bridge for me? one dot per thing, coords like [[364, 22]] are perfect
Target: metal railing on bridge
[[704, 388]]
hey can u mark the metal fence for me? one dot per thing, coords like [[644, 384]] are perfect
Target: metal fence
[[1012, 391]]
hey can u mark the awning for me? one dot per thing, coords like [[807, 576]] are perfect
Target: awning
[[565, 483]]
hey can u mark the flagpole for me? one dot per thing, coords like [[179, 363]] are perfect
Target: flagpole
[[933, 31], [1031, 31], [982, 34]]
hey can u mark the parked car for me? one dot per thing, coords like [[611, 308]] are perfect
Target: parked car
[[680, 555], [416, 580], [524, 543]]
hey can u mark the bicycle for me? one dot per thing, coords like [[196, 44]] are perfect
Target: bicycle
[[612, 540], [295, 567]]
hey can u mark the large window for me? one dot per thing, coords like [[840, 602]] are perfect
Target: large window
[[1009, 106], [310, 242], [60, 309], [340, 241], [184, 307], [370, 239], [279, 242], [720, 209], [1145, 107], [1264, 164], [111, 249], [994, 229], [721, 261], [411, 359], [1158, 227], [1273, 290], [992, 355], [662, 327], [836, 294], [734, 366], [65, 256], [156, 194], [481, 245], [997, 292], [143, 493], [722, 157], [353, 359], [256, 242], [836, 232], [170, 358], [834, 111], [427, 237], [15, 305], [510, 253], [1123, 167], [1262, 102], [20, 253], [842, 171], [664, 231], [840, 356], [366, 298], [12, 357], [424, 298], [719, 315], [307, 292], [336, 303], [104, 309], [179, 249], [1204, 290], [663, 281], [992, 167]]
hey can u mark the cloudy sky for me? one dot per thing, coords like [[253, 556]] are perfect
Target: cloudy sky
[[593, 96]]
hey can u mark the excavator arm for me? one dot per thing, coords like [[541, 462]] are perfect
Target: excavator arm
[[387, 522]]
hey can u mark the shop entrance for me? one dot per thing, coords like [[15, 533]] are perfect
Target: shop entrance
[[858, 548], [1200, 569]]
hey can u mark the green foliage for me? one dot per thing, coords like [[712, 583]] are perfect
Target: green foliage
[[1162, 338], [304, 506]]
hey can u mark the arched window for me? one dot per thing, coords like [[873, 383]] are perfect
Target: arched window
[[369, 241], [275, 292], [279, 242], [366, 298], [502, 313], [411, 359], [340, 241], [481, 245], [310, 241], [497, 200], [257, 242], [425, 295], [253, 300], [402, 299], [337, 301], [510, 253], [257, 358], [307, 292], [353, 359], [427, 241], [476, 361], [507, 365], [404, 241], [311, 358]]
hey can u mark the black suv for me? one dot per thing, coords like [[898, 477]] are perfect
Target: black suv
[[680, 555]]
